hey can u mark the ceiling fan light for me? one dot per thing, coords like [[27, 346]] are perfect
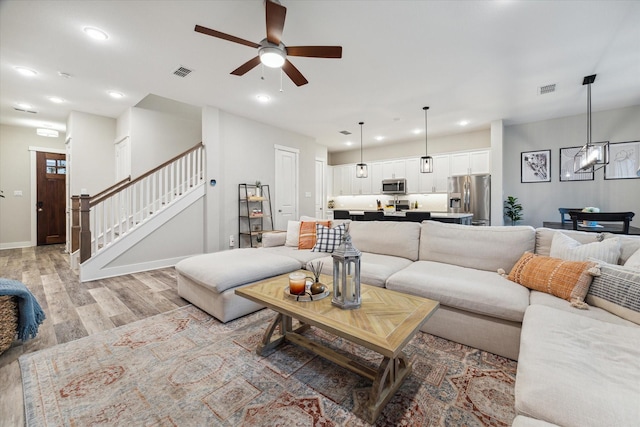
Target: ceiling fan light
[[272, 57]]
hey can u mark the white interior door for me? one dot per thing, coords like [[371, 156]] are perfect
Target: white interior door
[[286, 183], [123, 159], [320, 192]]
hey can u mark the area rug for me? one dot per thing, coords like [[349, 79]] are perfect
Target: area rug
[[184, 368]]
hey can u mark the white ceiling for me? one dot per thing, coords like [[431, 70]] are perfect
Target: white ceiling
[[468, 60]]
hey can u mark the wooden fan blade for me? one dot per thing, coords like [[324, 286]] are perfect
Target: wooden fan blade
[[293, 73], [315, 51], [275, 14], [224, 36], [247, 66]]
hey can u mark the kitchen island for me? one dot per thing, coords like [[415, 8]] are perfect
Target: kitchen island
[[456, 218]]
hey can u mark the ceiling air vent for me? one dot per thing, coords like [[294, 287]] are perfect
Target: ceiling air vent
[[25, 111], [546, 89], [182, 72], [345, 132]]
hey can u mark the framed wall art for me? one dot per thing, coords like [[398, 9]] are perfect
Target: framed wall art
[[624, 161], [567, 169], [535, 166]]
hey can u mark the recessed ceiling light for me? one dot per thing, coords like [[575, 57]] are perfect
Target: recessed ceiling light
[[56, 99], [348, 143], [24, 105], [416, 131], [379, 138], [50, 133], [115, 94], [28, 72], [95, 33], [463, 122], [263, 98]]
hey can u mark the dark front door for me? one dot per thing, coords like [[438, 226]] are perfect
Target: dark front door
[[50, 205]]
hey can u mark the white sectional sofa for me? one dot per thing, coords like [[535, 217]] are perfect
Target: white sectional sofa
[[576, 367]]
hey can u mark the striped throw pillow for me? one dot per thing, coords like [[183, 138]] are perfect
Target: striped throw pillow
[[617, 290], [564, 247], [307, 239]]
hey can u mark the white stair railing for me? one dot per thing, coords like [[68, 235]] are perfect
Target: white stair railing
[[117, 213]]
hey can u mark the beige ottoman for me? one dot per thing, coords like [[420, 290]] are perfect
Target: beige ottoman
[[209, 281]]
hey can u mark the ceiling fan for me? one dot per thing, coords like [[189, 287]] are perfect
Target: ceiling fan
[[271, 51]]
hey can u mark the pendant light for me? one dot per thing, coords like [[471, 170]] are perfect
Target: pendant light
[[426, 161], [593, 155], [361, 168]]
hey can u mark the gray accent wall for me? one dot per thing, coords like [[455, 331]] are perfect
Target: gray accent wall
[[542, 200]]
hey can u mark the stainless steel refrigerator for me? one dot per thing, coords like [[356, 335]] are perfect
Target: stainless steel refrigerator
[[470, 194]]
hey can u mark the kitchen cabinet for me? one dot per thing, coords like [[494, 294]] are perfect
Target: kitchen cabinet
[[435, 182], [342, 179], [360, 185], [394, 169], [471, 162], [375, 172], [412, 174]]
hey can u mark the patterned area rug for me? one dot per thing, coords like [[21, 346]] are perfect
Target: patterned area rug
[[184, 368]]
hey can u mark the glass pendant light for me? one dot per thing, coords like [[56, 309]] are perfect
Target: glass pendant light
[[593, 155], [361, 168], [426, 161]]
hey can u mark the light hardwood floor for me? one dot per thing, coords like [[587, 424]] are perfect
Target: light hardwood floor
[[74, 310]]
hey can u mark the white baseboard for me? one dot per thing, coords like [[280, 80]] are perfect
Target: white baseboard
[[15, 245]]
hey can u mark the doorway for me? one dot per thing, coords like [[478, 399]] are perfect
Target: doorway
[[319, 188], [286, 186], [51, 173]]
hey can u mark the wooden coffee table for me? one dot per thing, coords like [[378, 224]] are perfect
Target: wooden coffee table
[[385, 323]]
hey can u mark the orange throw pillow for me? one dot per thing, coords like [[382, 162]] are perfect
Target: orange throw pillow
[[568, 280], [307, 239]]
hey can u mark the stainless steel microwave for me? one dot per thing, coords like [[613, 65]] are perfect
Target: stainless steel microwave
[[394, 186]]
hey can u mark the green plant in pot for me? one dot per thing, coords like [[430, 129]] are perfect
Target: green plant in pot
[[513, 209]]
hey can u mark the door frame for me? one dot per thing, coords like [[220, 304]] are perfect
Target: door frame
[[322, 185], [295, 151], [34, 188]]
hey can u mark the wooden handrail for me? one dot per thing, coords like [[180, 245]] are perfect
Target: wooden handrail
[[113, 188], [95, 201]]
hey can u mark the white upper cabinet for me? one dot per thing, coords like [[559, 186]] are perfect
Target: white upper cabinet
[[342, 180], [436, 182], [375, 172], [360, 185], [471, 162], [394, 169], [412, 174]]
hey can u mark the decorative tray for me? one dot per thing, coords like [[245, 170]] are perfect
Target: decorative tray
[[306, 297]]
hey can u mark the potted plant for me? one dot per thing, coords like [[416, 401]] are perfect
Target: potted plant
[[513, 209]]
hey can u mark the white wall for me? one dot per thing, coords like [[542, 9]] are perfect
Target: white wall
[[157, 137], [542, 200], [92, 152], [240, 150], [475, 140], [15, 175]]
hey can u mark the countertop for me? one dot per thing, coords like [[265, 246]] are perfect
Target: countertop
[[433, 214]]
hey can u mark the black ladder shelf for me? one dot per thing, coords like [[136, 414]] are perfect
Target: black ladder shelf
[[255, 215]]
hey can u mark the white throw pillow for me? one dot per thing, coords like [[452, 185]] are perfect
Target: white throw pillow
[[633, 261], [564, 247], [293, 234]]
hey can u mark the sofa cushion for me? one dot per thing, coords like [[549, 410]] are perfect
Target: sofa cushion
[[633, 261], [375, 269], [307, 238], [568, 280], [522, 421], [220, 271], [400, 239], [468, 289], [563, 246], [273, 239], [543, 298], [293, 234], [328, 239], [469, 246], [544, 236], [617, 290], [628, 245], [303, 256], [577, 371]]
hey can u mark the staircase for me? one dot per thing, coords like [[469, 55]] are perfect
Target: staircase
[[108, 225]]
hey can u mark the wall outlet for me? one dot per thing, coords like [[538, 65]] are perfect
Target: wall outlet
[[232, 241]]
